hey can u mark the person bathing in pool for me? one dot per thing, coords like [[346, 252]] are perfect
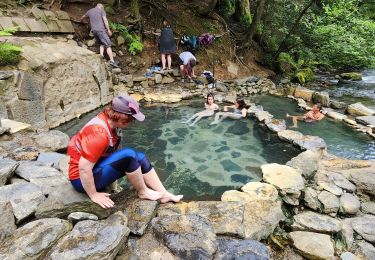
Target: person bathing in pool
[[210, 108], [239, 111], [311, 116]]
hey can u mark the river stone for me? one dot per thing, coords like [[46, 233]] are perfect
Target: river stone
[[290, 135], [24, 197], [7, 169], [331, 203], [52, 140], [359, 109], [158, 78], [80, 216], [311, 199], [7, 224], [307, 162], [285, 178], [311, 221], [366, 120], [33, 170], [304, 93], [365, 226], [322, 98], [92, 239], [65, 200], [260, 191], [330, 187], [313, 245], [235, 195], [263, 116], [241, 249], [363, 178], [34, 239], [368, 207], [347, 233], [139, 213], [347, 256], [51, 157], [276, 125], [341, 181], [309, 142], [147, 247], [366, 249], [187, 236], [349, 204], [336, 115]]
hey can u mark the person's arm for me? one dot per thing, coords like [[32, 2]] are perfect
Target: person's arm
[[87, 179], [308, 115], [106, 24], [320, 117], [83, 17], [226, 107], [216, 107], [206, 106], [192, 73]]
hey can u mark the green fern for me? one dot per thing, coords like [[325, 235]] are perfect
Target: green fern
[[9, 52], [134, 42], [9, 31]]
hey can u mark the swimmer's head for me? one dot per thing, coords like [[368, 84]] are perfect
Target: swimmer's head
[[240, 103], [317, 107], [210, 99]]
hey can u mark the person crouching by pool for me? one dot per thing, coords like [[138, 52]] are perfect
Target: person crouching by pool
[[187, 63], [210, 108], [239, 111], [311, 116], [95, 162]]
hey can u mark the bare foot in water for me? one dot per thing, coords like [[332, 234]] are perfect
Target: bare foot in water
[[170, 197], [149, 194], [293, 126], [287, 115]]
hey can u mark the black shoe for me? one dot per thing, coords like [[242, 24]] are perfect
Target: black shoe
[[114, 64]]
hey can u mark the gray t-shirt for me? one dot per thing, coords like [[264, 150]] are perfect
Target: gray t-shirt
[[186, 56], [96, 19]]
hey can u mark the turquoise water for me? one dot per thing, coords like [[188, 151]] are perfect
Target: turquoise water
[[341, 139], [202, 161]]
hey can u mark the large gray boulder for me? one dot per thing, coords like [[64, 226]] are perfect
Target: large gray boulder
[[241, 249], [363, 178], [307, 162], [365, 226], [313, 245], [306, 142], [358, 109], [52, 141], [7, 223], [92, 239], [311, 221], [366, 120], [7, 168], [24, 197], [187, 236], [304, 93], [34, 239], [322, 98]]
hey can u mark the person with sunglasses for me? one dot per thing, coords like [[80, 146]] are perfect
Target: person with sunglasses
[[95, 161]]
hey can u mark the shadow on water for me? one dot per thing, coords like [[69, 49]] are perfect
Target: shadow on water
[[202, 161]]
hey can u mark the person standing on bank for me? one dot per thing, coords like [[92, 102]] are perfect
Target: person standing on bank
[[100, 28], [167, 46], [187, 64], [95, 162]]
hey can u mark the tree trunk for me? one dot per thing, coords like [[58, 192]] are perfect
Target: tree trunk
[[135, 8], [243, 7], [256, 20], [292, 29]]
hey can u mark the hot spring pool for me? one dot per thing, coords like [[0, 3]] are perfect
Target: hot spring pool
[[341, 139], [202, 161]]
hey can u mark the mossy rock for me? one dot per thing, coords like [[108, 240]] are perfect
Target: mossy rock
[[286, 63], [227, 7], [304, 75], [9, 54], [351, 76]]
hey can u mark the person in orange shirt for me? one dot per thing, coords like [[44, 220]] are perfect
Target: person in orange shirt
[[311, 116], [95, 162]]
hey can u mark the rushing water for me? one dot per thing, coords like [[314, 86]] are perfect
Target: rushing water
[[352, 91], [202, 161], [341, 139]]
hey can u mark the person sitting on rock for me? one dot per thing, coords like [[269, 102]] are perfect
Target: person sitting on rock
[[210, 108], [239, 111], [311, 116], [101, 31], [95, 162], [167, 46], [187, 63]]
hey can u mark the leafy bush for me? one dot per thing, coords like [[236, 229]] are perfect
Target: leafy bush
[[304, 75], [286, 63], [9, 54], [134, 42]]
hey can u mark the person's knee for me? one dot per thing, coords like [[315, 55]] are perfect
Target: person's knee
[[144, 162]]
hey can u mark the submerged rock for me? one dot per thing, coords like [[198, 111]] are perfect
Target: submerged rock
[[241, 249], [34, 239]]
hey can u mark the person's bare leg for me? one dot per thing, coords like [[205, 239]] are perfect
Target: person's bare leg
[[163, 61], [169, 59], [152, 180], [110, 54], [295, 121], [196, 120], [136, 178], [182, 68], [101, 50], [216, 119]]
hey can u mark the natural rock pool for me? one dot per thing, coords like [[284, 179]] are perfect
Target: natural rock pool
[[202, 161], [341, 139]]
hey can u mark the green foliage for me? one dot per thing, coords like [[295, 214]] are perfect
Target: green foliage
[[8, 31], [9, 54], [304, 75], [108, 9], [286, 63], [134, 42], [227, 7], [246, 20]]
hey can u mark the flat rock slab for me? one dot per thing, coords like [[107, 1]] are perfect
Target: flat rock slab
[[363, 178], [52, 141], [311, 200], [366, 250], [260, 190], [34, 239], [311, 221], [14, 125], [92, 240], [52, 158], [336, 115], [368, 207], [365, 226], [313, 245], [307, 162], [304, 141], [7, 168], [76, 217], [330, 202], [7, 223], [349, 204], [241, 249], [359, 109], [24, 197], [187, 236], [33, 170], [276, 125], [366, 120]]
